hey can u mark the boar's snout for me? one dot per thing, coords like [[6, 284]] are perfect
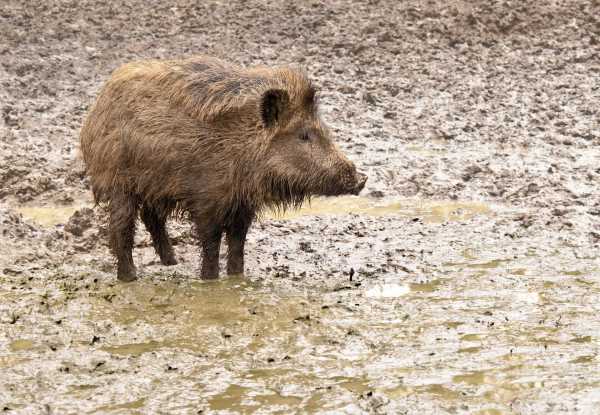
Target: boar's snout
[[361, 179], [349, 181]]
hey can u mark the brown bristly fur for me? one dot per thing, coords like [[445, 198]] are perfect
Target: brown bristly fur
[[203, 137]]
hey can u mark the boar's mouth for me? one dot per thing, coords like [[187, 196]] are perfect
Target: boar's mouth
[[347, 185], [361, 180]]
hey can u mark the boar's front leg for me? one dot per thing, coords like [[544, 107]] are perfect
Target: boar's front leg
[[210, 240], [236, 238], [123, 212]]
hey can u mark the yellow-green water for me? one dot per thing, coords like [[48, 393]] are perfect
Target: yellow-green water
[[429, 211]]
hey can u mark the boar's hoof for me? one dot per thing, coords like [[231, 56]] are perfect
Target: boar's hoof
[[126, 275], [209, 276], [169, 260]]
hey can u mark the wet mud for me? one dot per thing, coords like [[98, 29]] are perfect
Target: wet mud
[[465, 279]]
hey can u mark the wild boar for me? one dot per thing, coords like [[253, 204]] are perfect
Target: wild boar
[[211, 140]]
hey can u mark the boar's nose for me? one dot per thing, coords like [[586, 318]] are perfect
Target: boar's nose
[[361, 179]]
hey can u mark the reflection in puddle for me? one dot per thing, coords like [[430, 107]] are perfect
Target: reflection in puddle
[[393, 289], [387, 291], [201, 315]]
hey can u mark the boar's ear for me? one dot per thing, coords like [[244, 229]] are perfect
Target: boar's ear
[[273, 104]]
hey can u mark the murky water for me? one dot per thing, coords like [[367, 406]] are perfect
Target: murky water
[[307, 350], [473, 335], [256, 347], [428, 211], [48, 215]]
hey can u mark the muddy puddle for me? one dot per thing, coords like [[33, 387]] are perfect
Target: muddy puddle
[[48, 215], [241, 345], [483, 327], [428, 211]]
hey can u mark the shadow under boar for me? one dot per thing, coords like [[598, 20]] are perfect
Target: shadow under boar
[[211, 140]]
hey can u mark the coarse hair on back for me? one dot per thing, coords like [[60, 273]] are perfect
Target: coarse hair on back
[[188, 135]]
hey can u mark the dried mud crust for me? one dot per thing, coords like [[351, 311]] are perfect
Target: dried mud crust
[[488, 101]]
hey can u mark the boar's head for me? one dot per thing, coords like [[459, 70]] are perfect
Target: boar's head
[[301, 159]]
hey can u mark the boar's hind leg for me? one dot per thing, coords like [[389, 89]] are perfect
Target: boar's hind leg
[[236, 238], [155, 220], [123, 212]]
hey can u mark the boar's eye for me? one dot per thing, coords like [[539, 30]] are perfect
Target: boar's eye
[[305, 136]]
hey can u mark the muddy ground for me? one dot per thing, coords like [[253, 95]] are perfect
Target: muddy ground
[[464, 280]]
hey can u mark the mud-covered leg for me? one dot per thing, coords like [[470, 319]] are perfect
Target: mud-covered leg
[[155, 221], [236, 238], [123, 212], [210, 241]]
